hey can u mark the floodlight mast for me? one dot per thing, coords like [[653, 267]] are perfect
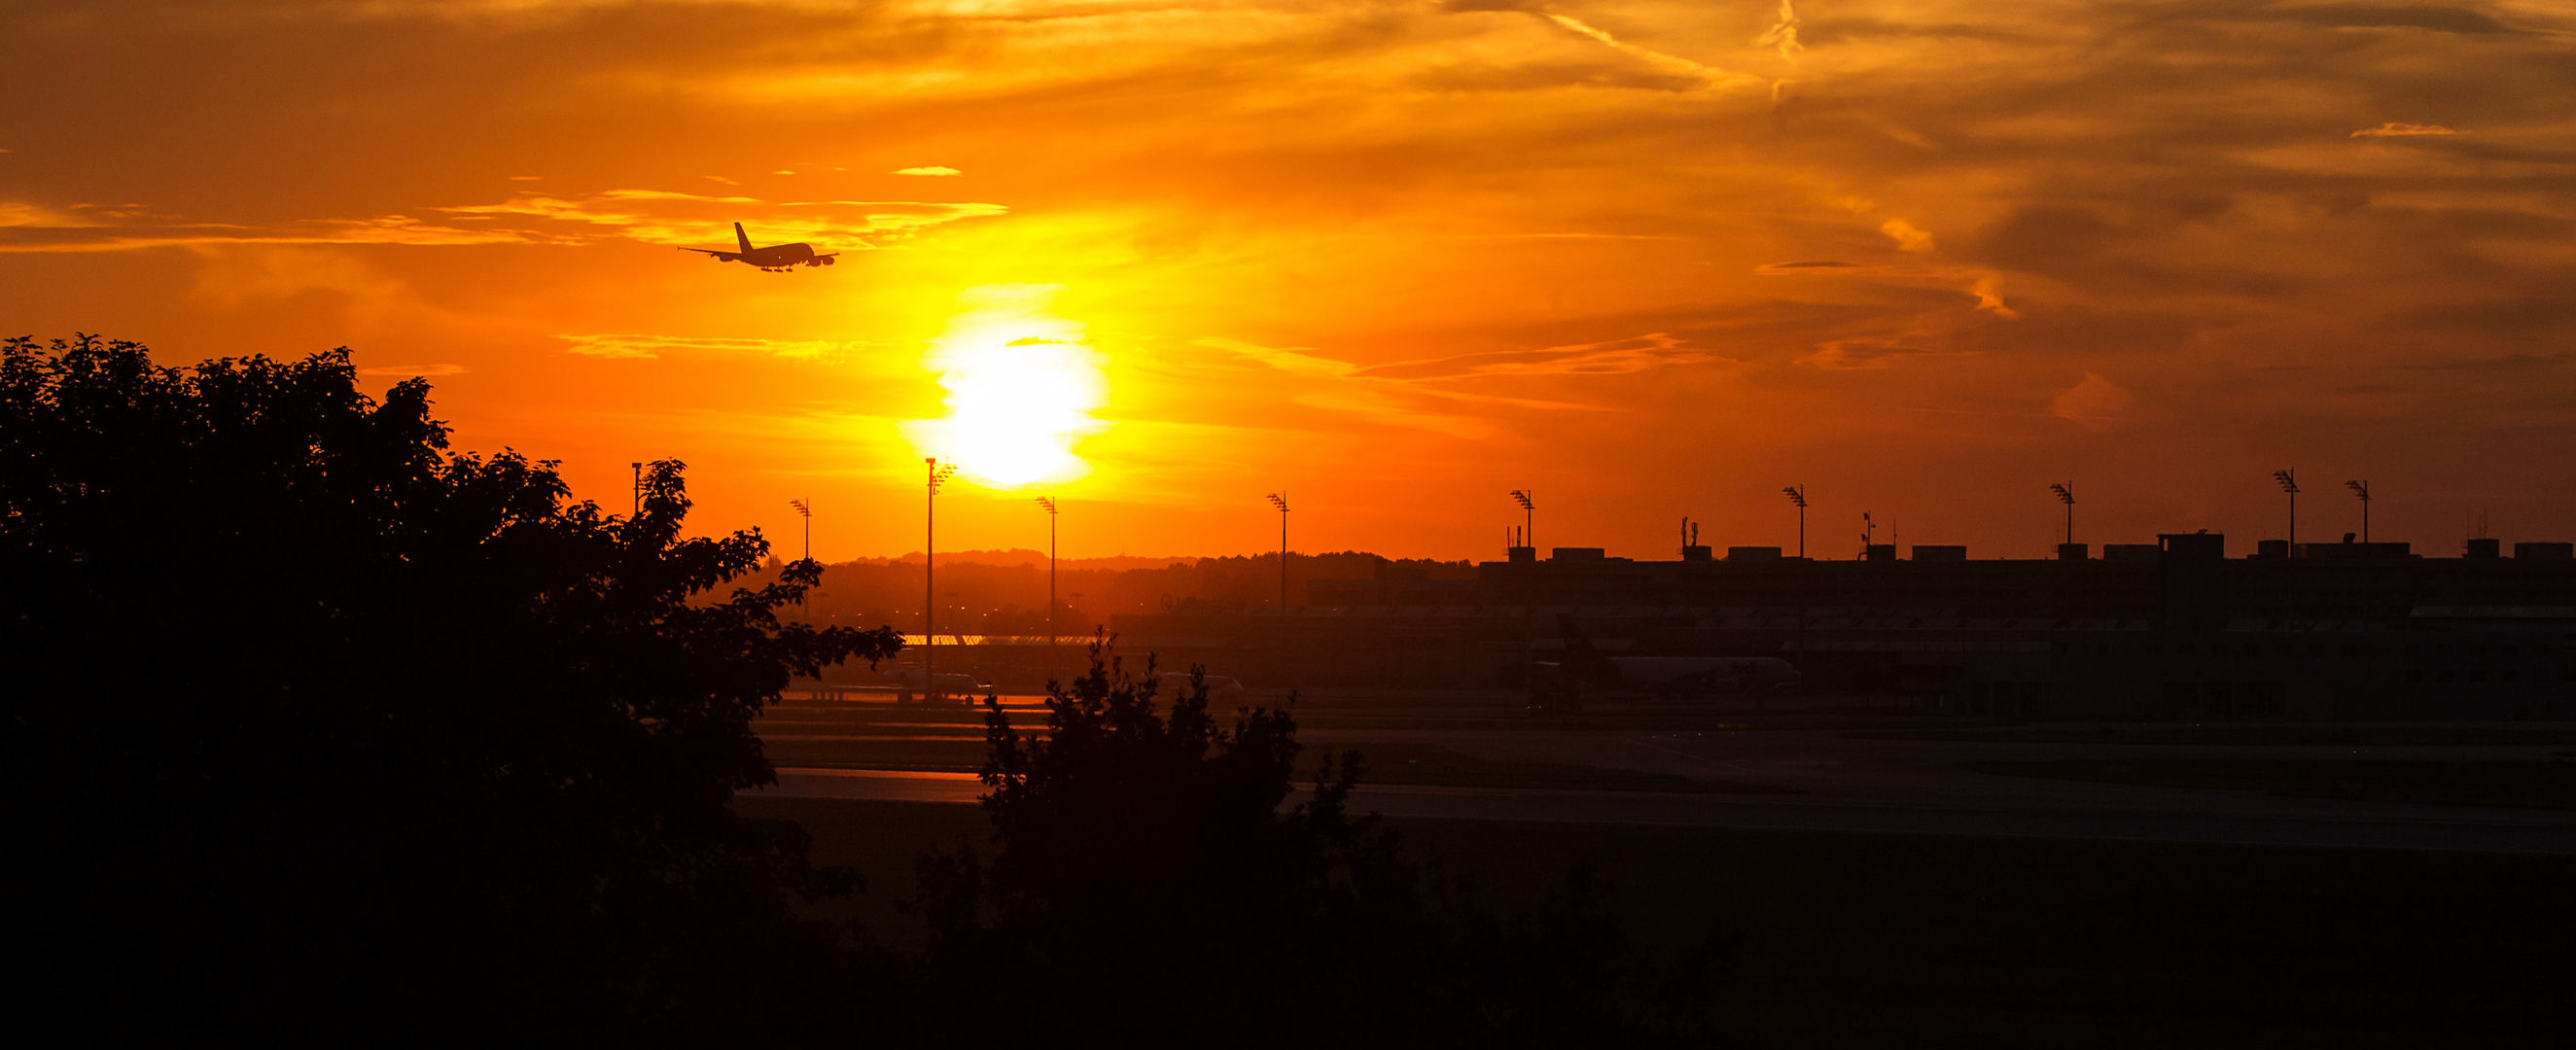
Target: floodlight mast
[[2362, 489], [1798, 494], [2066, 494], [1049, 503], [638, 490], [938, 474], [1529, 516], [1280, 500], [2289, 479], [806, 511]]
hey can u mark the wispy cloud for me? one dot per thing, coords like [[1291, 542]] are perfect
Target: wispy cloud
[[408, 371], [664, 216], [1908, 237], [21, 213], [931, 170], [648, 347], [2095, 403], [28, 229], [1295, 360], [1410, 402], [1614, 357], [1783, 34], [1862, 354], [1817, 268], [1989, 293], [2394, 129]]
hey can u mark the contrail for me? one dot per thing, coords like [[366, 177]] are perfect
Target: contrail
[[1709, 75]]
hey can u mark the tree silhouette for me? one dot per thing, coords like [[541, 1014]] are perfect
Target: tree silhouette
[[315, 725], [1147, 886]]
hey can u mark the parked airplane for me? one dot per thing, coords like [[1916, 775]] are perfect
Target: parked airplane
[[776, 258], [1666, 675]]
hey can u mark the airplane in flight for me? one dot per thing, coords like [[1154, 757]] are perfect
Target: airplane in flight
[[776, 258], [1665, 675]]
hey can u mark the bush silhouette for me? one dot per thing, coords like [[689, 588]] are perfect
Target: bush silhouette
[[317, 726], [1146, 886]]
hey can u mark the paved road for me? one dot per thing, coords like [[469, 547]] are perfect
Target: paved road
[[1888, 786]]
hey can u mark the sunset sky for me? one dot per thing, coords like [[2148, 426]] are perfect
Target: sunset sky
[[1648, 259]]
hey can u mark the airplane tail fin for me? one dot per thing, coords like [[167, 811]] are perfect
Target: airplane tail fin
[[1580, 657], [741, 238], [1575, 642]]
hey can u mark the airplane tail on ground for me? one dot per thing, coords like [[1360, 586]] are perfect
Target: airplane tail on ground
[[1580, 657], [741, 238]]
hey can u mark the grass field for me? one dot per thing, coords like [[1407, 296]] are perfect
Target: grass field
[[1920, 941], [2530, 785]]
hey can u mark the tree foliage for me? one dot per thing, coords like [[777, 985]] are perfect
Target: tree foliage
[[316, 728], [318, 718]]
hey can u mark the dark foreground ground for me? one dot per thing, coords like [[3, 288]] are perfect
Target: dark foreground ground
[[1853, 940]]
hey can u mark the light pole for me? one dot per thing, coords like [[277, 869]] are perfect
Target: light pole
[[638, 490], [937, 473], [2362, 489], [1280, 500], [1049, 503], [2066, 495], [1798, 494], [806, 511], [2289, 479], [1529, 516]]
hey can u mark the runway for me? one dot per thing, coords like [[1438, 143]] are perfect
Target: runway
[[1886, 787]]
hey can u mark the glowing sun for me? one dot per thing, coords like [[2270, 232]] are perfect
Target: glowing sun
[[1021, 388]]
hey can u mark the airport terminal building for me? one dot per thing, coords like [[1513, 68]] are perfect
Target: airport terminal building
[[2175, 629]]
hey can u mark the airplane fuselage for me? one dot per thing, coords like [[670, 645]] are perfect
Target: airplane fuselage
[[776, 258]]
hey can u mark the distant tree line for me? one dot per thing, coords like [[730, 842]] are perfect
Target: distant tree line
[[319, 730], [979, 596]]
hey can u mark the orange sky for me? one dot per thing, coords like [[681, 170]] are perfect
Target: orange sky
[[1648, 259]]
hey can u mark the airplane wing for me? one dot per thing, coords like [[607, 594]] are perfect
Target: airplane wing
[[713, 252]]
